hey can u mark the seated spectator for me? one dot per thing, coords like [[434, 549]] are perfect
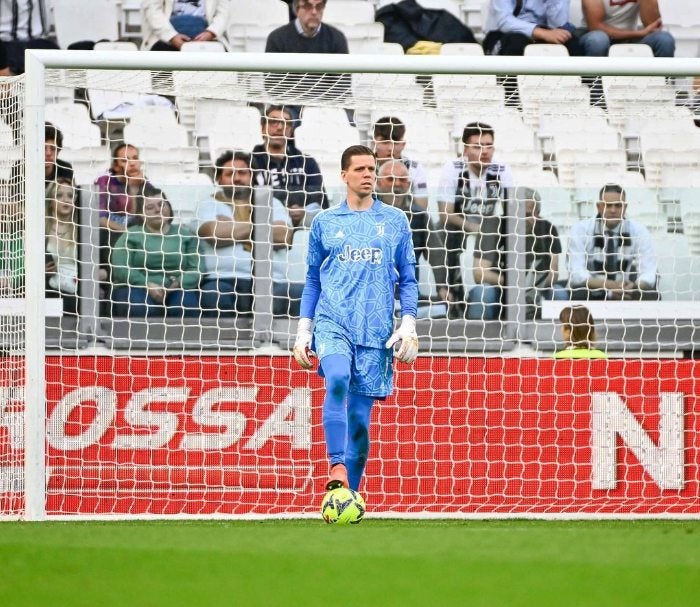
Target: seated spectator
[[610, 22], [278, 163], [578, 332], [485, 298], [121, 190], [62, 243], [55, 169], [611, 257], [225, 225], [394, 188], [471, 197], [286, 292], [23, 25], [167, 24], [542, 250], [155, 264], [307, 33], [389, 141], [511, 25], [11, 242]]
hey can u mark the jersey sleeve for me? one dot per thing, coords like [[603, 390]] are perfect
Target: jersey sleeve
[[406, 267], [316, 253]]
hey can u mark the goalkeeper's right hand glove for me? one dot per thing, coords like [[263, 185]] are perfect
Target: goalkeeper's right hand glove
[[302, 344]]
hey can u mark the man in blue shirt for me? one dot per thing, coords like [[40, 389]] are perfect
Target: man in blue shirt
[[513, 24], [357, 253]]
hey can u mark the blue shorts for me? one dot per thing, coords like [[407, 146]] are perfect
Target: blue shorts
[[371, 369]]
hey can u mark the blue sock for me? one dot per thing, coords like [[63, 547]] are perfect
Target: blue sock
[[357, 451], [336, 370]]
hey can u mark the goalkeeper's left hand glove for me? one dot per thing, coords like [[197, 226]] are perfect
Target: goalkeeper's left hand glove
[[302, 344], [406, 334]]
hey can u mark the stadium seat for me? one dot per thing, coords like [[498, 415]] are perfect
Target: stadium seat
[[185, 192], [546, 50], [251, 22], [70, 21], [73, 120], [458, 92], [212, 46], [537, 92], [682, 19], [116, 45], [107, 91], [461, 48], [348, 12], [391, 48], [369, 90], [324, 133], [82, 145], [155, 126], [221, 126], [630, 50], [365, 38]]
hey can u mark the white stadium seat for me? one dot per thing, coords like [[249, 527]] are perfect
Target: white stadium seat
[[70, 21]]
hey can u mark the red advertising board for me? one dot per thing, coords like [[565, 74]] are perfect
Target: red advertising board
[[243, 435]]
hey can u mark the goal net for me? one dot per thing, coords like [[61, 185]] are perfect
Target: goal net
[[146, 371]]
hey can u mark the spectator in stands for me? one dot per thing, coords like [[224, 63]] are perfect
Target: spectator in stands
[[23, 25], [156, 264], [62, 242], [225, 225], [294, 177], [610, 22], [307, 33], [11, 241], [389, 142], [394, 188], [286, 291], [55, 169], [578, 332], [121, 190], [471, 196], [167, 24], [512, 24], [543, 247], [611, 257]]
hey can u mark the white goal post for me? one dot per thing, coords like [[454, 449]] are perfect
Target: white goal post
[[661, 454]]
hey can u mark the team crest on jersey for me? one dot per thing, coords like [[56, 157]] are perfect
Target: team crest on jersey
[[380, 229]]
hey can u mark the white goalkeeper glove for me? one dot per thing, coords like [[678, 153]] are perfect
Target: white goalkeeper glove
[[406, 334], [302, 344]]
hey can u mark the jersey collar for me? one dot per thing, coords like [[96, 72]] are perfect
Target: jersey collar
[[344, 209]]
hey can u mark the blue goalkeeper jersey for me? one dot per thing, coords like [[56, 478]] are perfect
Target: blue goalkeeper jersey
[[360, 257]]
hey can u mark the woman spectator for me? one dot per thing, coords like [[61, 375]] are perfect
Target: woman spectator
[[62, 243], [156, 265], [578, 331]]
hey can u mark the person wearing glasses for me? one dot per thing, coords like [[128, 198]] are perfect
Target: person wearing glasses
[[307, 33], [471, 199]]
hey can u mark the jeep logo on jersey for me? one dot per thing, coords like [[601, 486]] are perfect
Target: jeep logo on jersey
[[371, 254]]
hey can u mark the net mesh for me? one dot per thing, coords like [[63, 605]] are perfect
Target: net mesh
[[177, 220]]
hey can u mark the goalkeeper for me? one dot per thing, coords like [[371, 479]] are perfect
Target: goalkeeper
[[357, 253]]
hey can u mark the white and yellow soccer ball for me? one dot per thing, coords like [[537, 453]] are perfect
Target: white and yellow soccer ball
[[342, 507]]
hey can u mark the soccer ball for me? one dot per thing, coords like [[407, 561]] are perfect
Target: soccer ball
[[342, 506]]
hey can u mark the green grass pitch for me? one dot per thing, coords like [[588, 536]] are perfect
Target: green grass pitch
[[380, 562]]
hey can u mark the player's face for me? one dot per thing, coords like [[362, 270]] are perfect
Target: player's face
[[612, 209], [387, 148], [478, 149], [361, 175], [310, 13], [278, 127]]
